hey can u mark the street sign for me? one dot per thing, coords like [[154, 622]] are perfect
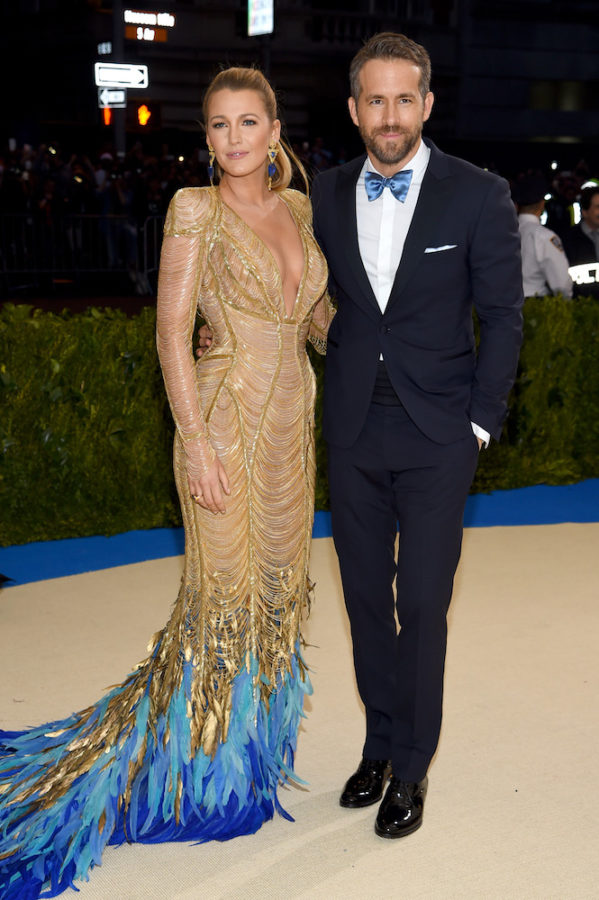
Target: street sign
[[137, 33], [121, 75], [115, 98], [260, 17]]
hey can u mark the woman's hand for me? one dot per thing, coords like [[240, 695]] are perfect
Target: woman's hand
[[204, 340], [207, 491]]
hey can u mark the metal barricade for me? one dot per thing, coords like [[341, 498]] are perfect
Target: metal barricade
[[36, 251]]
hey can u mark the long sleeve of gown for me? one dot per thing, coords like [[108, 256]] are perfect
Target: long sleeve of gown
[[181, 265], [322, 316]]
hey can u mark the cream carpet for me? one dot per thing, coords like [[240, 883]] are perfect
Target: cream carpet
[[512, 810]]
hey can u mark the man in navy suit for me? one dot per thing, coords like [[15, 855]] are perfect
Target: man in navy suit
[[414, 240]]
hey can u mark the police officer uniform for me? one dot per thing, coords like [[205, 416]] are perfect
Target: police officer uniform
[[544, 263]]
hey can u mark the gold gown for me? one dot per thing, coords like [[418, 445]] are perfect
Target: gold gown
[[192, 745]]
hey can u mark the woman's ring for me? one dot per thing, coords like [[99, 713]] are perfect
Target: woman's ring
[[196, 497]]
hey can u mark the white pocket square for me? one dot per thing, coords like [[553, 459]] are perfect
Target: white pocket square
[[438, 249]]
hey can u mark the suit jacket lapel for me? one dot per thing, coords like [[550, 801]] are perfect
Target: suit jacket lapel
[[348, 233], [434, 194]]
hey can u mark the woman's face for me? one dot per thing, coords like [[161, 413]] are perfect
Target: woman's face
[[240, 131]]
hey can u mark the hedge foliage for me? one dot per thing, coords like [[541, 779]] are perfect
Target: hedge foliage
[[85, 438], [86, 435], [551, 435]]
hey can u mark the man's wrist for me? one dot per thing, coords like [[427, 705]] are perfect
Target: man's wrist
[[483, 436]]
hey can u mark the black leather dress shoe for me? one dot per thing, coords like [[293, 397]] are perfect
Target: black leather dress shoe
[[401, 811], [365, 786]]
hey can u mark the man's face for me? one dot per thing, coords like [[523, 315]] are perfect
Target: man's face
[[390, 112], [591, 215]]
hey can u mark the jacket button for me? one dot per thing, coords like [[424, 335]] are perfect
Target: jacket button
[[387, 329]]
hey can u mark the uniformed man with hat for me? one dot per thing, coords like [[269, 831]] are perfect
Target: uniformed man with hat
[[544, 263]]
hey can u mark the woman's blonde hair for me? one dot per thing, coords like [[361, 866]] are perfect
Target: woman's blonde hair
[[241, 78]]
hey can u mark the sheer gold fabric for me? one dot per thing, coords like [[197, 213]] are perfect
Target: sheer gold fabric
[[250, 401]]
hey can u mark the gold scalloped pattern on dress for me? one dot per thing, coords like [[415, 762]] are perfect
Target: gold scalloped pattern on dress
[[249, 400]]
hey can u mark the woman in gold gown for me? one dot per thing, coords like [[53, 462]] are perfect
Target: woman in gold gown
[[193, 744]]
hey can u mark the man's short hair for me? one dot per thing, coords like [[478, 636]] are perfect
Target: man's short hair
[[389, 45], [586, 195]]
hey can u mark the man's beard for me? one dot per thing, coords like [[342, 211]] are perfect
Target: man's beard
[[391, 152]]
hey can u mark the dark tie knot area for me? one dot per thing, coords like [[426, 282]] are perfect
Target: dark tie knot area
[[398, 184]]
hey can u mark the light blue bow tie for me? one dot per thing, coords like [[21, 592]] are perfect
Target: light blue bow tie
[[398, 184]]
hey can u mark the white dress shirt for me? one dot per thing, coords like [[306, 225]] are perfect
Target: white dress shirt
[[383, 225]]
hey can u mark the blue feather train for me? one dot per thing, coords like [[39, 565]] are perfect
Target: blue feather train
[[46, 845]]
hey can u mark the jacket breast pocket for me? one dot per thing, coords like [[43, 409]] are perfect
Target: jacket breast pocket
[[441, 248]]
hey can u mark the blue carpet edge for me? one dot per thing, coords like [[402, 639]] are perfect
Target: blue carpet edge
[[538, 505]]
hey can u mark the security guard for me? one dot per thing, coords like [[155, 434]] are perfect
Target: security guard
[[544, 263]]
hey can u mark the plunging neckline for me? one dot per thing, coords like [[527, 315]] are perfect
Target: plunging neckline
[[288, 317]]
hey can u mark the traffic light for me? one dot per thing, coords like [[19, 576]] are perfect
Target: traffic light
[[143, 114], [106, 115]]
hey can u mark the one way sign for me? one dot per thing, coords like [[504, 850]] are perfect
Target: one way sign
[[121, 75], [115, 98]]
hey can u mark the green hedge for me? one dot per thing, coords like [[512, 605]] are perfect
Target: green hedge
[[552, 433], [85, 431], [84, 427]]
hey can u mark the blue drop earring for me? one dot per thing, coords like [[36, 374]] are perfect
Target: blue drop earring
[[272, 169], [211, 157]]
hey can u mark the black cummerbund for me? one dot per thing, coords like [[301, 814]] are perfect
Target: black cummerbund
[[384, 392]]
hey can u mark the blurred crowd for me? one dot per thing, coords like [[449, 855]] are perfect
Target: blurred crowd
[[52, 182]]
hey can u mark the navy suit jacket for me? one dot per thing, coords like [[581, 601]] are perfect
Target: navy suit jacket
[[578, 247], [426, 332]]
